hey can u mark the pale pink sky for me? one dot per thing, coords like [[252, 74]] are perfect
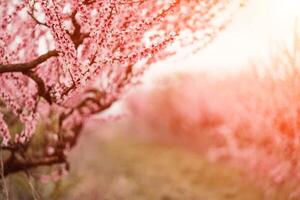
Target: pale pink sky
[[256, 30]]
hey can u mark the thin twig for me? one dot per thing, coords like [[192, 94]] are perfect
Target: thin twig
[[5, 188]]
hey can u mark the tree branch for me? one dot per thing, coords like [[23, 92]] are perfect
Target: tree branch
[[14, 165], [42, 90], [23, 67]]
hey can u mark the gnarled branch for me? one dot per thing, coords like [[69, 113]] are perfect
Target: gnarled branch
[[23, 67]]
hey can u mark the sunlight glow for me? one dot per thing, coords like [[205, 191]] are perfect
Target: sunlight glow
[[257, 30], [289, 7]]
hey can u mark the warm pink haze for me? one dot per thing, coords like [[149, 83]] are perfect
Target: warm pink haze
[[150, 99]]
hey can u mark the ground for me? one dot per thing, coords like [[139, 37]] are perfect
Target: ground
[[125, 168], [120, 168]]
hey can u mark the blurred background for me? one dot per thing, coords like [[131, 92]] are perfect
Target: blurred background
[[220, 124]]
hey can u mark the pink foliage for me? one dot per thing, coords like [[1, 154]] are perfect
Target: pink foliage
[[77, 57], [92, 39]]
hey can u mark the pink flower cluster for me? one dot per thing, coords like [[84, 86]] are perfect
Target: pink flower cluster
[[52, 52]]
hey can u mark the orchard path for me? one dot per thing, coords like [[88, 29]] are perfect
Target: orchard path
[[123, 169]]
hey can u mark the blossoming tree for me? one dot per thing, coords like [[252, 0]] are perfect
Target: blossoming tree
[[62, 61]]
